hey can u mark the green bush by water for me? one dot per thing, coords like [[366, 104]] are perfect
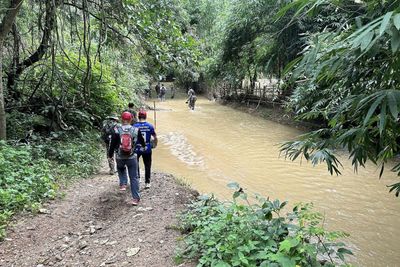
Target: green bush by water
[[236, 234], [30, 174]]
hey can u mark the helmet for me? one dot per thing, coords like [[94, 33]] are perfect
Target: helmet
[[142, 114], [126, 116]]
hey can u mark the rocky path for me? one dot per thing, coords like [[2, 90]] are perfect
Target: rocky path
[[94, 226]]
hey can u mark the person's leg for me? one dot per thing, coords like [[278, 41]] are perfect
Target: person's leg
[[121, 168], [147, 167], [111, 163], [132, 170]]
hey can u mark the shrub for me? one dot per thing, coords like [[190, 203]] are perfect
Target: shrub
[[236, 234], [24, 182], [30, 174]]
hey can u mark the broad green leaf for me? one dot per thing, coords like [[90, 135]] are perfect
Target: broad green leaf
[[385, 22], [372, 109], [221, 264], [395, 42], [287, 244], [393, 105], [396, 21], [366, 40], [283, 260]]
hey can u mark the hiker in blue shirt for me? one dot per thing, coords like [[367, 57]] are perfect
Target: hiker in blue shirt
[[147, 131]]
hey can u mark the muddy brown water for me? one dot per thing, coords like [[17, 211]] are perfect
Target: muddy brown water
[[215, 144]]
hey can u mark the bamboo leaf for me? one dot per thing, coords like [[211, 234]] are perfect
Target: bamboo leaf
[[372, 109], [396, 21], [395, 42], [382, 119], [393, 105], [366, 40], [385, 22]]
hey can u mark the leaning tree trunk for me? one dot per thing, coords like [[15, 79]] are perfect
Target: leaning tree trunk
[[5, 27]]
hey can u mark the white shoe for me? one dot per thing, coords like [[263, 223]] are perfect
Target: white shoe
[[147, 186]]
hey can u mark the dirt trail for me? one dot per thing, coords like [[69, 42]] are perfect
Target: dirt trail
[[94, 226]]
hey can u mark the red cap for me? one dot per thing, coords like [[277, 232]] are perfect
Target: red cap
[[126, 116], [142, 114]]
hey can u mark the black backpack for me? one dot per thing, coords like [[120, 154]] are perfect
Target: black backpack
[[108, 130]]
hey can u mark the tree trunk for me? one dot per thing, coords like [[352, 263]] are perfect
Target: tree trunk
[[11, 85], [5, 27], [3, 125]]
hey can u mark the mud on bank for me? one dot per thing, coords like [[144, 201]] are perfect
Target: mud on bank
[[94, 226]]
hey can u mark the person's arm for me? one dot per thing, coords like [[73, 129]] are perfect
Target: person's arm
[[113, 144], [153, 133], [141, 140]]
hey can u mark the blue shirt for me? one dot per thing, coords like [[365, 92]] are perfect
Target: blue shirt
[[147, 131]]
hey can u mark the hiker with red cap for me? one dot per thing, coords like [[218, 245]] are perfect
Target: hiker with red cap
[[150, 137], [124, 141]]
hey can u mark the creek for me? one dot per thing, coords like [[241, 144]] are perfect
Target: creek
[[215, 144]]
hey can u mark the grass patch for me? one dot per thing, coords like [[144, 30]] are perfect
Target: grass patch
[[182, 181]]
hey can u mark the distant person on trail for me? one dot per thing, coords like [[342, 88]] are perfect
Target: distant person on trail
[[191, 98], [158, 89], [124, 141], [150, 137], [163, 91], [147, 93], [131, 109], [190, 92], [107, 131]]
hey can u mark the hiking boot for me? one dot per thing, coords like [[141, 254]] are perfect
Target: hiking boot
[[134, 202], [147, 186], [122, 187]]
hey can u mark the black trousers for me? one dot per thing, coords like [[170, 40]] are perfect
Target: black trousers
[[147, 166]]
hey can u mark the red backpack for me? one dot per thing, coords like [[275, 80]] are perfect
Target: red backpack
[[128, 137]]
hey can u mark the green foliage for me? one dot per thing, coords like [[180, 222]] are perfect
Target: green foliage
[[72, 157], [101, 55], [349, 78], [237, 234], [30, 174], [24, 182]]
